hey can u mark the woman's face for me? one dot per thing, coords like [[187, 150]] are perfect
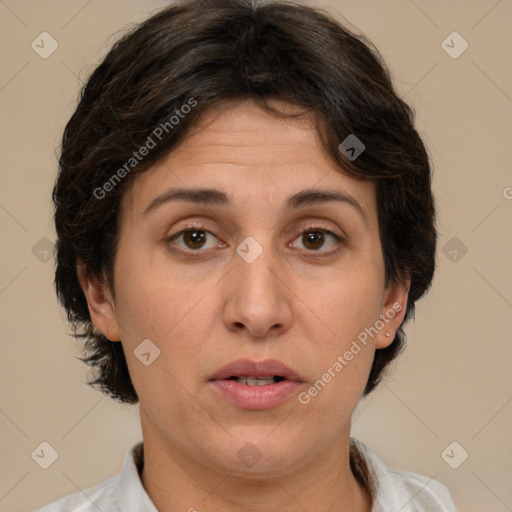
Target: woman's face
[[281, 261]]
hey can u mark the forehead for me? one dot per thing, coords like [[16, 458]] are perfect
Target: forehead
[[254, 156]]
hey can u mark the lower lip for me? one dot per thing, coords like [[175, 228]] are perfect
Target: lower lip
[[256, 398]]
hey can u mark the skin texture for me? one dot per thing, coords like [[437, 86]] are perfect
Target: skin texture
[[207, 307]]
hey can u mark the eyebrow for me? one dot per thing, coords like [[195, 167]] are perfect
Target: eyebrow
[[214, 197]]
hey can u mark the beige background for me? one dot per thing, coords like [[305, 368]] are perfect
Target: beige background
[[454, 381]]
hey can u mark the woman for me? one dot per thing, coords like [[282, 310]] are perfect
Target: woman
[[245, 222]]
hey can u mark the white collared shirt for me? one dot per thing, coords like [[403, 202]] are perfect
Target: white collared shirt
[[395, 490]]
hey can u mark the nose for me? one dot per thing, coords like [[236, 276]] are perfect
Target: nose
[[257, 297]]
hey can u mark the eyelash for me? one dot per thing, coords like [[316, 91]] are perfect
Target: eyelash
[[311, 229]]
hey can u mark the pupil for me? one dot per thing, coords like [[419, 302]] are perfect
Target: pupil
[[313, 239]]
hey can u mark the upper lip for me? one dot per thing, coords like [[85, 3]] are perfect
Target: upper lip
[[249, 368]]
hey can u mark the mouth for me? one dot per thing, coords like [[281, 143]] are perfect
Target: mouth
[[253, 372], [258, 381], [256, 385]]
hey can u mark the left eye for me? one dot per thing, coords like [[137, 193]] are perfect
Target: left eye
[[315, 239]]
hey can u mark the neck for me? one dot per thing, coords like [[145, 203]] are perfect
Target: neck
[[176, 483]]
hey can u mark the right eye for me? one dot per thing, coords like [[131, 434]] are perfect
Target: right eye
[[194, 239]]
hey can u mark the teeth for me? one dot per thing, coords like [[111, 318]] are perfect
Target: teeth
[[256, 381]]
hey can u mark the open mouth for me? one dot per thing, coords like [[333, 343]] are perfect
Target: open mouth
[[256, 385], [257, 381]]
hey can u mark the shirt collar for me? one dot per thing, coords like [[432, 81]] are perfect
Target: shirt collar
[[130, 493], [382, 487]]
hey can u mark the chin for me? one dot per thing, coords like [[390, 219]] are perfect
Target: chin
[[254, 452]]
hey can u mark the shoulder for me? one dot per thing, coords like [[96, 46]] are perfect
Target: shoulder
[[403, 490], [101, 496], [424, 493], [123, 492]]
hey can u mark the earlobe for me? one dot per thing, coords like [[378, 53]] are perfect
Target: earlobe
[[392, 313], [100, 303]]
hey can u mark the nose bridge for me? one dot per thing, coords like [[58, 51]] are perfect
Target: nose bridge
[[255, 264], [257, 298]]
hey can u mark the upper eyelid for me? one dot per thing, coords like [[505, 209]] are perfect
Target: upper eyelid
[[200, 227]]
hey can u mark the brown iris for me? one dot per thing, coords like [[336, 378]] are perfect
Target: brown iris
[[313, 239], [194, 239]]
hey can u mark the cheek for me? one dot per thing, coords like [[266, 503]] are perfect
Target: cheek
[[156, 297], [342, 360], [174, 310], [346, 301], [162, 309]]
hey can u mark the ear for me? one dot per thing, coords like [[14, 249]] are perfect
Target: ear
[[100, 303], [394, 306]]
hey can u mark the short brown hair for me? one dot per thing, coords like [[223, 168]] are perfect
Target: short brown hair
[[220, 50]]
